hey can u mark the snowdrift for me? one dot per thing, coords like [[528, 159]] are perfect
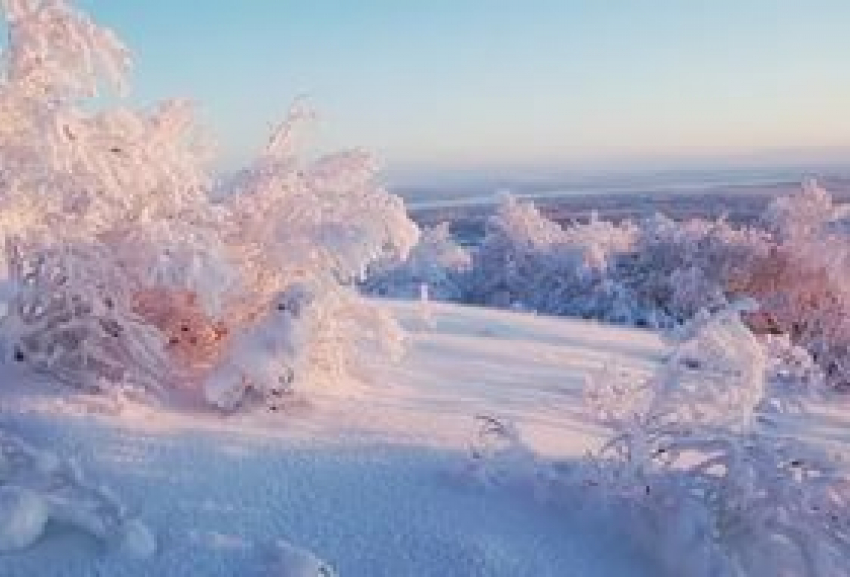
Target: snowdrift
[[382, 478]]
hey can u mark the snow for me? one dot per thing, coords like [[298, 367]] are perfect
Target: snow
[[269, 357], [138, 541], [369, 478], [293, 561], [23, 516]]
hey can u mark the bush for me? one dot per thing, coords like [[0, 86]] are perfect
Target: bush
[[124, 270], [690, 463], [437, 262], [658, 272], [803, 283]]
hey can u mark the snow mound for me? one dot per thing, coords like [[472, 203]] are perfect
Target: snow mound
[[38, 486], [23, 516], [294, 561], [138, 541]]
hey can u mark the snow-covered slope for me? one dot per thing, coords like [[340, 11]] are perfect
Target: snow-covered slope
[[372, 477]]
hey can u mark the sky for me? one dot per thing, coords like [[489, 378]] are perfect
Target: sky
[[476, 83]]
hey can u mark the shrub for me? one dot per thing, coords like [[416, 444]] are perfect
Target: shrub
[[124, 270], [659, 272], [690, 464], [437, 262]]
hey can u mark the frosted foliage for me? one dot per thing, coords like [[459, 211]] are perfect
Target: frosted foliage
[[331, 218], [716, 376], [804, 282], [70, 315], [677, 269], [122, 269], [703, 484], [57, 49], [436, 262], [530, 261], [801, 216], [694, 451], [656, 272]]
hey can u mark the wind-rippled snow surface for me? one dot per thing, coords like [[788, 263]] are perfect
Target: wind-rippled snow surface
[[370, 477]]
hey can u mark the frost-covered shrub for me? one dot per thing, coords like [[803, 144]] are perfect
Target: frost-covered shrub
[[661, 273], [690, 468], [437, 262], [319, 224], [804, 283], [657, 272], [790, 368], [715, 377], [70, 314], [675, 269], [750, 502], [530, 261], [121, 267]]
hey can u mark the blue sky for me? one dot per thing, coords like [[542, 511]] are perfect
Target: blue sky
[[489, 82]]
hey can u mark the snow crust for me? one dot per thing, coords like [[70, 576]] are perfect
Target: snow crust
[[23, 516], [371, 479]]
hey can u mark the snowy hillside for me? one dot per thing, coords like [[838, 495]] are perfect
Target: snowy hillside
[[374, 478]]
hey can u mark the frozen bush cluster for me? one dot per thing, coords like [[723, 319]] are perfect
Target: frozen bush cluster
[[531, 262], [677, 269], [708, 487], [128, 266], [659, 272]]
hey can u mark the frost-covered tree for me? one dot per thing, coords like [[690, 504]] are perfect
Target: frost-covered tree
[[528, 260], [437, 262], [804, 283], [122, 269], [656, 272], [660, 273]]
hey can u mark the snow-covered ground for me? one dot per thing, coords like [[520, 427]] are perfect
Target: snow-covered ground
[[372, 477]]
